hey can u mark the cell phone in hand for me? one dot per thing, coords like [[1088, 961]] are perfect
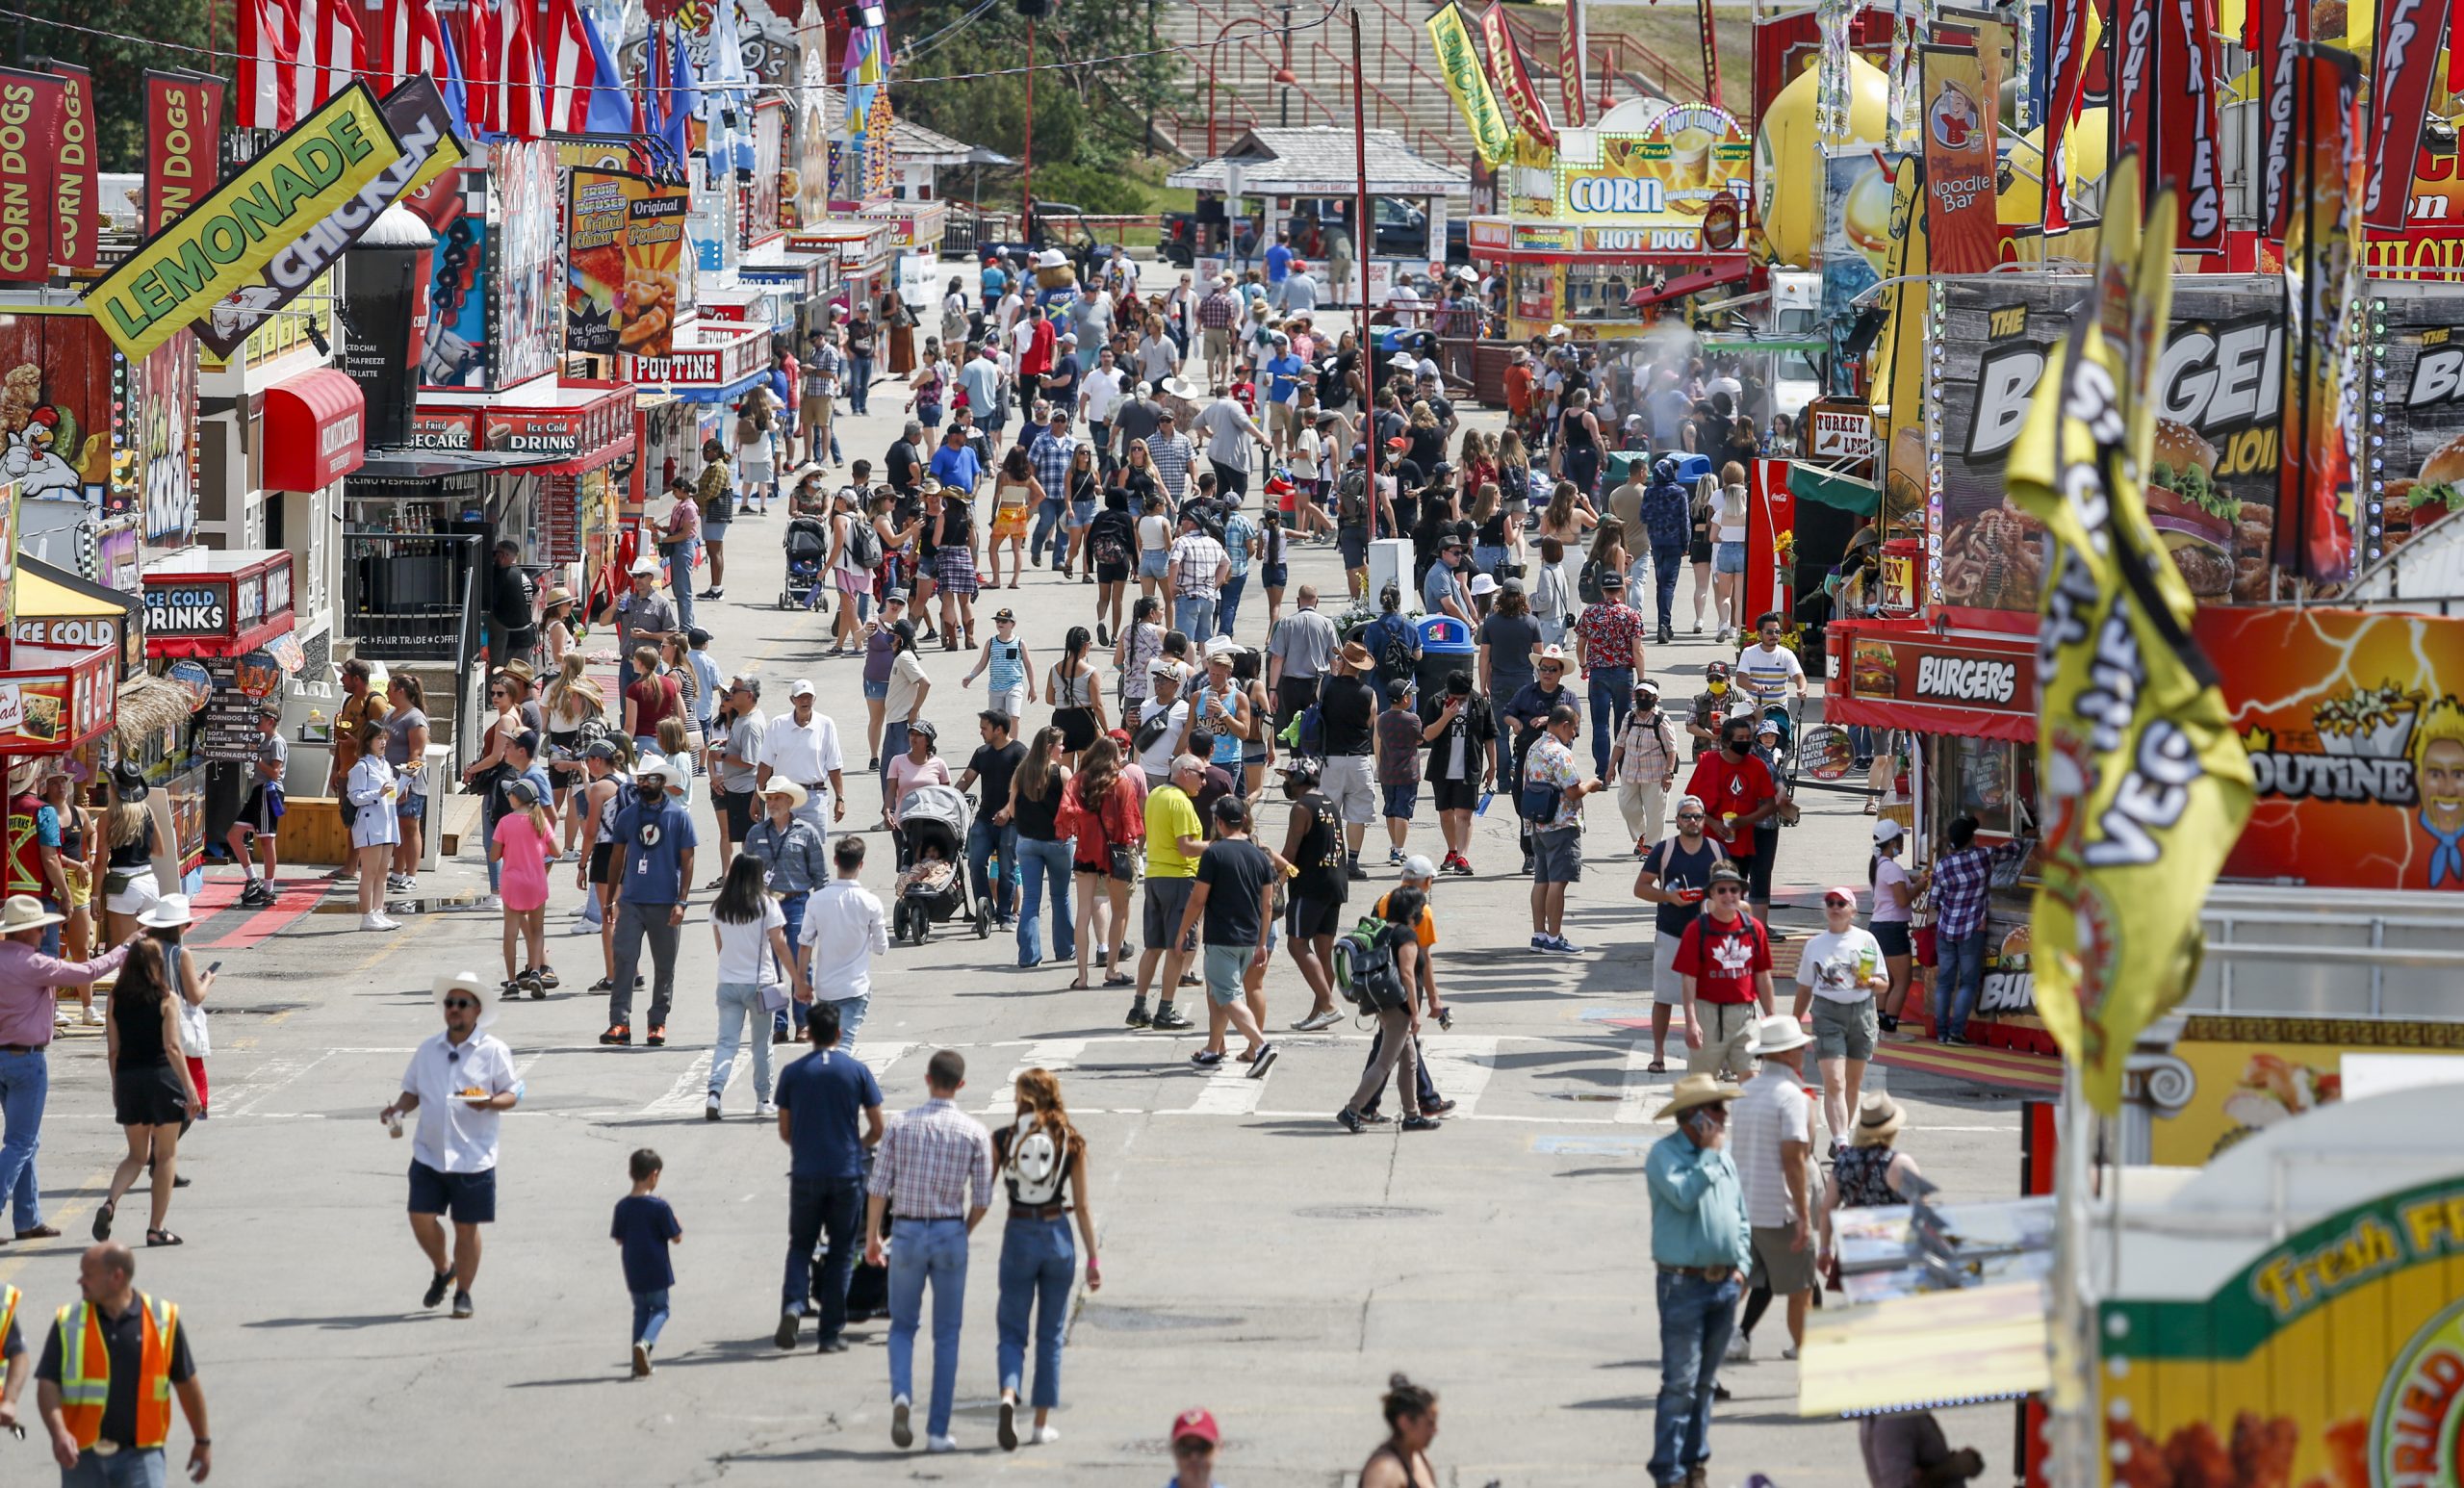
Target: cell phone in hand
[[213, 966]]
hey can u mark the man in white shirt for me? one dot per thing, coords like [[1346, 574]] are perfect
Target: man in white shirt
[[1771, 1137], [1097, 397], [460, 1082], [1766, 671], [1163, 702], [844, 929], [804, 747]]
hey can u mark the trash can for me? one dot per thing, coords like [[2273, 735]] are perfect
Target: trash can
[[1446, 647]]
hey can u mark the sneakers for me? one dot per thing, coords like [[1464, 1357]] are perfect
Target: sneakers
[[530, 982], [1457, 864], [1103, 634], [1436, 1108], [618, 1034], [255, 896], [710, 1108], [641, 1360], [1008, 1430], [1554, 945], [834, 1344], [462, 1304], [1421, 1123], [1207, 1058], [1044, 1436], [488, 902], [767, 1111], [940, 1444], [1169, 1018], [785, 1337], [1266, 1057], [397, 881], [438, 1285], [1318, 1020], [377, 921], [1741, 1348], [1539, 943], [659, 1033], [1349, 1120], [1138, 1017], [1394, 857], [901, 1433]]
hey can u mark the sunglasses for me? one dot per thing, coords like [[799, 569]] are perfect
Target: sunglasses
[[1727, 891], [456, 1003], [1689, 816], [1838, 904], [1193, 1447]]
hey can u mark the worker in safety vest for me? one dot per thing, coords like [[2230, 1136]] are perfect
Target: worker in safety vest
[[109, 1370], [15, 1366]]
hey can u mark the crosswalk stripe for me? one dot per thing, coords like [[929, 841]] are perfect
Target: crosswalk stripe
[[1460, 1065], [693, 1085], [1053, 1054], [878, 1057], [1634, 1101], [1228, 1091]]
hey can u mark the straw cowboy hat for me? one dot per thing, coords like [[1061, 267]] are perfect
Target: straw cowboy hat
[[168, 912], [781, 786], [1778, 1034], [1878, 1120], [25, 911], [467, 982], [1697, 1089]]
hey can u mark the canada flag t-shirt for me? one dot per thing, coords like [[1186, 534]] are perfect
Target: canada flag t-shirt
[[1724, 959]]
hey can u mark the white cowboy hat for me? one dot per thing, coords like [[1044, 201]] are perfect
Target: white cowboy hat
[[25, 911], [168, 912], [1697, 1089], [654, 764], [781, 786], [1174, 387], [1776, 1034], [467, 982]]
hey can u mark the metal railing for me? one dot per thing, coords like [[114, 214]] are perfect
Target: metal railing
[[414, 596]]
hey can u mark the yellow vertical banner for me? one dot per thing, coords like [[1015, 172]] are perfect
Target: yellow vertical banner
[[1458, 62], [1901, 349], [2145, 785]]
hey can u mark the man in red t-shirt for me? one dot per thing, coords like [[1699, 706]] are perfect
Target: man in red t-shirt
[[1739, 794], [1725, 961]]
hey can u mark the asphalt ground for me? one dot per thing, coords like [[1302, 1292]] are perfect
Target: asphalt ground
[[1258, 1260]]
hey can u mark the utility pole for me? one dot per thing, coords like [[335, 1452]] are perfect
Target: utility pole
[[1283, 104], [1363, 239], [1027, 163]]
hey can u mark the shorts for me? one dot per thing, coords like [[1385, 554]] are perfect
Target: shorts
[[1400, 801], [1009, 522], [1699, 551], [1219, 341], [1728, 1027], [877, 691], [410, 809], [735, 809], [1784, 1270], [1225, 966], [1273, 575], [817, 408], [471, 1198], [142, 893], [1112, 572], [714, 531], [1727, 558], [1283, 418], [1151, 563], [1305, 918], [263, 811], [1891, 936], [1353, 544], [1668, 984], [1455, 795], [602, 857], [1168, 900], [1556, 855], [853, 582], [1082, 516], [1346, 783], [1845, 1030]]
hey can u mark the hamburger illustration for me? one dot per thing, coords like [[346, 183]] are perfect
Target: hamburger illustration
[[1875, 671], [2414, 504], [2193, 516]]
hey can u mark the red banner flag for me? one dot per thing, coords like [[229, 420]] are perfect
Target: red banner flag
[[1960, 111], [2314, 522], [1513, 81], [29, 149], [2276, 26], [183, 119], [268, 99], [1570, 55], [2067, 68], [2130, 52], [2409, 32], [2186, 121], [79, 219]]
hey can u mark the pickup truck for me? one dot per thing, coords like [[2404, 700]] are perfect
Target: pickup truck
[[1402, 232]]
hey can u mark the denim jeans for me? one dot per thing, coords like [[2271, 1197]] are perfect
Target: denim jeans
[[1044, 863], [986, 842], [1694, 1318], [650, 1314], [851, 1017], [922, 1251], [859, 385], [1227, 603], [1195, 618], [818, 1207], [122, 1469], [1612, 698], [1667, 563], [739, 1004], [1038, 1266], [679, 579], [791, 1017], [1049, 531], [25, 1083], [893, 745], [1962, 976]]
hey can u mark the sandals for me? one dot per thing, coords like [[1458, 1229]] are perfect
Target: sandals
[[154, 1238], [1657, 1066], [1078, 984], [103, 1221]]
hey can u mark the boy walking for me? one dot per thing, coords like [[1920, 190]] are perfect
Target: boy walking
[[1399, 767], [645, 1227]]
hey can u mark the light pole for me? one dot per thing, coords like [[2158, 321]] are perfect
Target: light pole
[[1283, 100], [1027, 154], [1215, 65]]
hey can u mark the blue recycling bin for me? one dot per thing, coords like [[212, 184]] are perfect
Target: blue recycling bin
[[1446, 647], [1692, 468]]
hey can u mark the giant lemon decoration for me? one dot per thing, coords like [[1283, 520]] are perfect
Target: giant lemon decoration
[[2082, 147], [1787, 159]]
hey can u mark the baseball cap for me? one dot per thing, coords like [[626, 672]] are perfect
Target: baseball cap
[[1889, 832], [1196, 1423], [1418, 866], [1842, 891], [801, 687], [599, 749]]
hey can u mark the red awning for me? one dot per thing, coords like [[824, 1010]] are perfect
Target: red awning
[[315, 432], [1902, 674]]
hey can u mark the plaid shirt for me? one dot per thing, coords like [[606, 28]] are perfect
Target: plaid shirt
[[1196, 556], [1217, 311], [1960, 881], [1650, 750], [1051, 458], [935, 1163], [1172, 460]]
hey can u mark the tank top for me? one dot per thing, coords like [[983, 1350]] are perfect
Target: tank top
[[1227, 745], [1493, 532], [1863, 1176], [1074, 684], [1571, 429], [1008, 672], [1319, 856], [607, 810], [1009, 497], [880, 656]]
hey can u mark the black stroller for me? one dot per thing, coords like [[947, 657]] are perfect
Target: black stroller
[[807, 542], [933, 822]]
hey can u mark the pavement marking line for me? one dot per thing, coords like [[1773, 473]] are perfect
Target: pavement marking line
[[1634, 1102], [1053, 1054], [1460, 1065], [268, 1078], [693, 1085], [1228, 1091], [878, 1057]]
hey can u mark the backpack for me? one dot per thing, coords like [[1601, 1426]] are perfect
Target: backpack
[[1306, 733], [1110, 548], [1036, 1166], [1587, 583], [863, 542], [1351, 501], [1365, 971], [1393, 654]]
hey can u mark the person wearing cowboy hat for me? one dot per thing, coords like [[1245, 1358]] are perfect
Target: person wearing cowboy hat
[[1773, 1143], [652, 865], [28, 978], [1700, 1242], [460, 1083], [1348, 703], [795, 854], [644, 617]]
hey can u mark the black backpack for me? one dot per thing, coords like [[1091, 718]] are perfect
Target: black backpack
[[1393, 655], [1587, 583], [863, 543], [1351, 500]]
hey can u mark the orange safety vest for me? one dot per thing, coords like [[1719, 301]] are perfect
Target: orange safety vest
[[86, 1372]]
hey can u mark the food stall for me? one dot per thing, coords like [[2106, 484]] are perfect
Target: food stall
[[1306, 181], [792, 286], [865, 253], [1619, 217], [224, 622]]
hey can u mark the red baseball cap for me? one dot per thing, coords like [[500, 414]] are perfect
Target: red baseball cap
[[1196, 1423]]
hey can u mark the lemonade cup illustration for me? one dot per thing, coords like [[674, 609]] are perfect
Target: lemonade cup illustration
[[1690, 159]]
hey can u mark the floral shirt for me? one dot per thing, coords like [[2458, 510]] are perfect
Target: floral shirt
[[1609, 633], [1551, 764]]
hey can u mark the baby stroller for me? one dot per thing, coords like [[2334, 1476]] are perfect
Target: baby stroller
[[807, 545], [933, 822]]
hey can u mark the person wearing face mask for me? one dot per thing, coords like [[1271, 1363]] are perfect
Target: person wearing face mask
[[1712, 704], [652, 865], [1644, 765], [1737, 790]]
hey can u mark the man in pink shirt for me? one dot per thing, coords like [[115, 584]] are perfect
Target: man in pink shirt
[[27, 1005]]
